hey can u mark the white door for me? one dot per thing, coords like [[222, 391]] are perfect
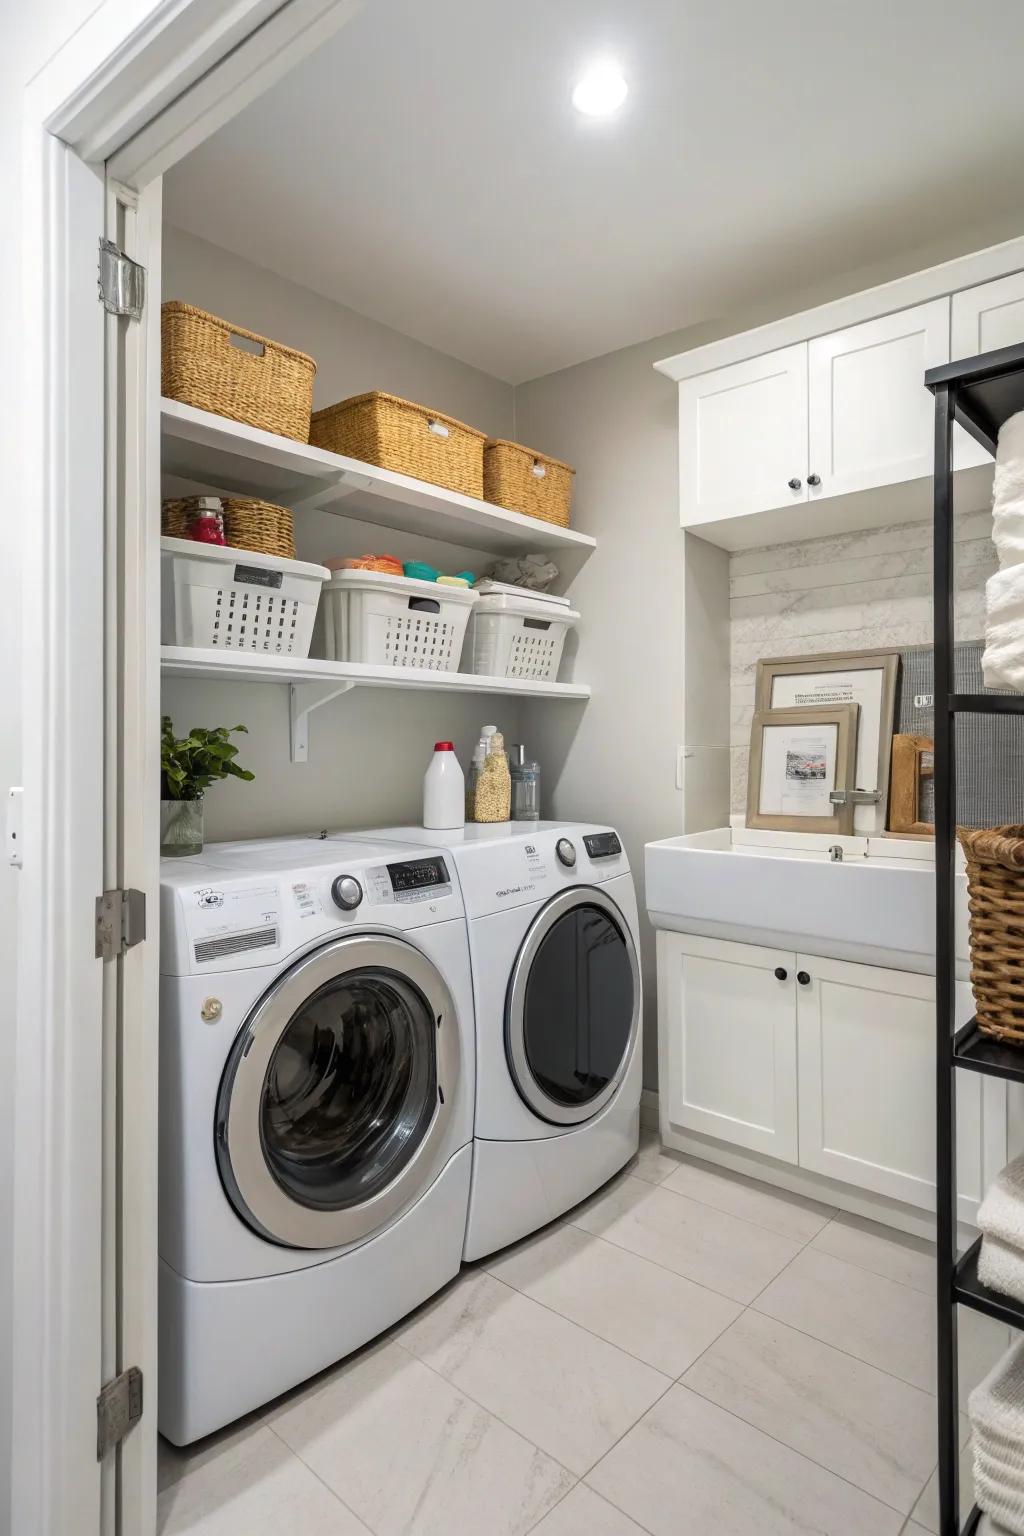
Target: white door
[[743, 437], [984, 319], [730, 1015], [867, 1083], [871, 418]]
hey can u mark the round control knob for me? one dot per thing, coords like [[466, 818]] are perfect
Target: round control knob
[[347, 892], [803, 978], [813, 479], [794, 484], [566, 852], [781, 973]]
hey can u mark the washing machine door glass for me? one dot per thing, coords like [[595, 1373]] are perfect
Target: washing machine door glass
[[573, 1007], [337, 1093]]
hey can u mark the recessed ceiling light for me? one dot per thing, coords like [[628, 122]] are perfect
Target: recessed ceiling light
[[600, 91]]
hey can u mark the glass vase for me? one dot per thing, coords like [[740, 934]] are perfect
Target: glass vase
[[181, 828]]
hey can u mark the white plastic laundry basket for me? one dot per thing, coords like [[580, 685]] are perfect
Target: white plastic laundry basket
[[394, 621], [513, 636], [228, 599]]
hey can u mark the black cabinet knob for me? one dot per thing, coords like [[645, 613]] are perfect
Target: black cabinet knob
[[795, 484], [813, 479], [803, 978], [781, 973]]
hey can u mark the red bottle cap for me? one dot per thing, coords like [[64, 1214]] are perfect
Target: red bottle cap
[[444, 746]]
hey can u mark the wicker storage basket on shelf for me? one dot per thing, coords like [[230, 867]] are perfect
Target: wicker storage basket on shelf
[[520, 480], [995, 892], [248, 524], [408, 438], [201, 364]]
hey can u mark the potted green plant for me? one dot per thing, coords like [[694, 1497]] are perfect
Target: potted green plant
[[188, 766]]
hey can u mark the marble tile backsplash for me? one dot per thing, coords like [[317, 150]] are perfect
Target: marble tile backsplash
[[850, 591]]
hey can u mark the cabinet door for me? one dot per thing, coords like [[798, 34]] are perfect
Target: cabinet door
[[983, 319], [743, 437], [871, 418], [867, 1083], [731, 1028]]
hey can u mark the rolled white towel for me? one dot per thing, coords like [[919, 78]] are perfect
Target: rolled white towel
[[1008, 493], [1005, 1504], [1001, 1213], [1003, 661], [996, 1406], [1000, 1459]]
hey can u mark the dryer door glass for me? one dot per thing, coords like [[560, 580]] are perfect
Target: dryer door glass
[[350, 1091], [574, 1008]]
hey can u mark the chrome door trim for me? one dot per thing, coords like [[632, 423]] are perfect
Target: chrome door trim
[[256, 1194], [525, 1083]]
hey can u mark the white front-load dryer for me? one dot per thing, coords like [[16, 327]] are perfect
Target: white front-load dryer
[[554, 942], [316, 1111]]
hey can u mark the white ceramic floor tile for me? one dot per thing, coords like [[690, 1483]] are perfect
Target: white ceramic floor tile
[[883, 1250], [585, 1513], [689, 1466], [877, 1320], [648, 1311], [719, 1251], [413, 1456], [926, 1512], [776, 1210], [875, 1431], [251, 1485], [652, 1163], [567, 1391]]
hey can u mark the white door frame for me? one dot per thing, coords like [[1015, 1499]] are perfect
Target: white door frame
[[140, 84]]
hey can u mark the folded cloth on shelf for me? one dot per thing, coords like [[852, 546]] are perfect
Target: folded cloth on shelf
[[1001, 1267], [996, 1411], [1001, 1213], [1004, 1503], [1003, 662]]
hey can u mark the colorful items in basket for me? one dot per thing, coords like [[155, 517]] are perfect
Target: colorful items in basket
[[386, 564], [245, 522]]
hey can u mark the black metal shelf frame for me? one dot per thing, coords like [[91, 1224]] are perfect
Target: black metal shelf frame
[[979, 394]]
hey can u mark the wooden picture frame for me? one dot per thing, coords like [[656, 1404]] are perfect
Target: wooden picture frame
[[781, 675], [787, 748], [909, 768]]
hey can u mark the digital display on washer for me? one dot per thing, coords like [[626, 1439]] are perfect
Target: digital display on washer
[[417, 874], [602, 845]]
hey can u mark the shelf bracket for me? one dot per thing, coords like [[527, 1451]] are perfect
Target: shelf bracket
[[303, 699]]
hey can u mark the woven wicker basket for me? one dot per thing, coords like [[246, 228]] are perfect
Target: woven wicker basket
[[408, 438], [995, 890], [201, 364], [248, 524], [523, 481]]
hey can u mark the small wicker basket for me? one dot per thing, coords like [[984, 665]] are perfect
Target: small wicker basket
[[995, 891], [248, 524], [520, 480], [407, 438], [202, 364]]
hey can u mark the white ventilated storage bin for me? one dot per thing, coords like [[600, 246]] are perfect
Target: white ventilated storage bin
[[394, 621], [225, 599], [518, 634]]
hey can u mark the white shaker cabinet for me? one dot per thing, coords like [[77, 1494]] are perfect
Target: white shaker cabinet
[[743, 437], [730, 1014], [984, 319], [871, 418], [867, 1083]]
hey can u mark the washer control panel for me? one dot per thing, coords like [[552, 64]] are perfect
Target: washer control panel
[[602, 845], [347, 892], [566, 851]]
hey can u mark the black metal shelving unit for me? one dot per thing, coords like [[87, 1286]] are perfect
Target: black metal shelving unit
[[980, 394]]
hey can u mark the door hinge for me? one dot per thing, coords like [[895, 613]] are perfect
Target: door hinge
[[122, 282], [118, 1409], [120, 922]]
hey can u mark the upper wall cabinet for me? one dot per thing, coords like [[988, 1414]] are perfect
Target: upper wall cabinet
[[985, 318], [743, 437], [871, 418]]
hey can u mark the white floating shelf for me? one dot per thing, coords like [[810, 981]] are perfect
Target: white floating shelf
[[214, 451], [313, 682]]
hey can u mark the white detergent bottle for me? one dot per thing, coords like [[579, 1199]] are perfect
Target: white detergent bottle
[[444, 790]]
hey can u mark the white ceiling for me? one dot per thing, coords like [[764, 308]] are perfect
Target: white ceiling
[[426, 166]]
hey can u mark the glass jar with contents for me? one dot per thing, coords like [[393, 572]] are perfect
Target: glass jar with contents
[[525, 786], [206, 521]]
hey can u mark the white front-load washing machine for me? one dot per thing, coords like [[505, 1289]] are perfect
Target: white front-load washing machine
[[316, 1111], [554, 940]]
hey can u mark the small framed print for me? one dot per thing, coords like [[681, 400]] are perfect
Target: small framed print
[[867, 678], [910, 810], [798, 759]]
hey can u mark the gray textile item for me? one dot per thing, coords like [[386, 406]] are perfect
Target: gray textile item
[[989, 748]]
